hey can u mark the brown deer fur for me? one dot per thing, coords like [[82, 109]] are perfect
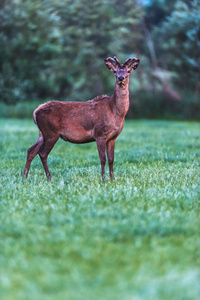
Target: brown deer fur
[[100, 120]]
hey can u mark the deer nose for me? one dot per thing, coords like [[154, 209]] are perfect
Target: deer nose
[[120, 78]]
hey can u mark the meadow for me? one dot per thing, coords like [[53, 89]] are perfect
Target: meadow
[[74, 238]]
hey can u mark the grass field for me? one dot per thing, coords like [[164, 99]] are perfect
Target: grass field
[[76, 238]]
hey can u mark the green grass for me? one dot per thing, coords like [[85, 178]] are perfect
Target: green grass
[[76, 238]]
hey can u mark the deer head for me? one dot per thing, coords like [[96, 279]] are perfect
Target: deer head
[[122, 72]]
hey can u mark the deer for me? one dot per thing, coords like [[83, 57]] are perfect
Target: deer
[[100, 120]]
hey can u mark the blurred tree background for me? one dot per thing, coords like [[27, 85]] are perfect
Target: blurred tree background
[[55, 49]]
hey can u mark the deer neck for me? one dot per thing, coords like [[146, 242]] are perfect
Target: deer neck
[[121, 99]]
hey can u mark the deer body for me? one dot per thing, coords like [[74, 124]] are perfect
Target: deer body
[[100, 120]]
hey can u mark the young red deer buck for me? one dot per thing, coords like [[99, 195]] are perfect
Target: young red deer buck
[[100, 120]]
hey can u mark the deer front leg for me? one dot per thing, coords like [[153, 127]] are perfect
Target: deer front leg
[[110, 154], [101, 146]]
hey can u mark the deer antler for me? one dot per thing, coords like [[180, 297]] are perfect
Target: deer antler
[[114, 61], [128, 62], [117, 61], [131, 61], [111, 60]]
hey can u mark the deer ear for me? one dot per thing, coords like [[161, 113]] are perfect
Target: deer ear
[[109, 62]]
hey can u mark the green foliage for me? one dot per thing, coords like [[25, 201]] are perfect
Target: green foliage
[[181, 51], [30, 45], [56, 48], [20, 110], [157, 106], [76, 238]]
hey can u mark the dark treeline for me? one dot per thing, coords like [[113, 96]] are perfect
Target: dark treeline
[[55, 49]]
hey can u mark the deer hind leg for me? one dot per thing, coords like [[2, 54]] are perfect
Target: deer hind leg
[[101, 146], [44, 152], [31, 153], [110, 146]]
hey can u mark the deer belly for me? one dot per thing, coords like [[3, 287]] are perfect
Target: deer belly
[[77, 135]]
